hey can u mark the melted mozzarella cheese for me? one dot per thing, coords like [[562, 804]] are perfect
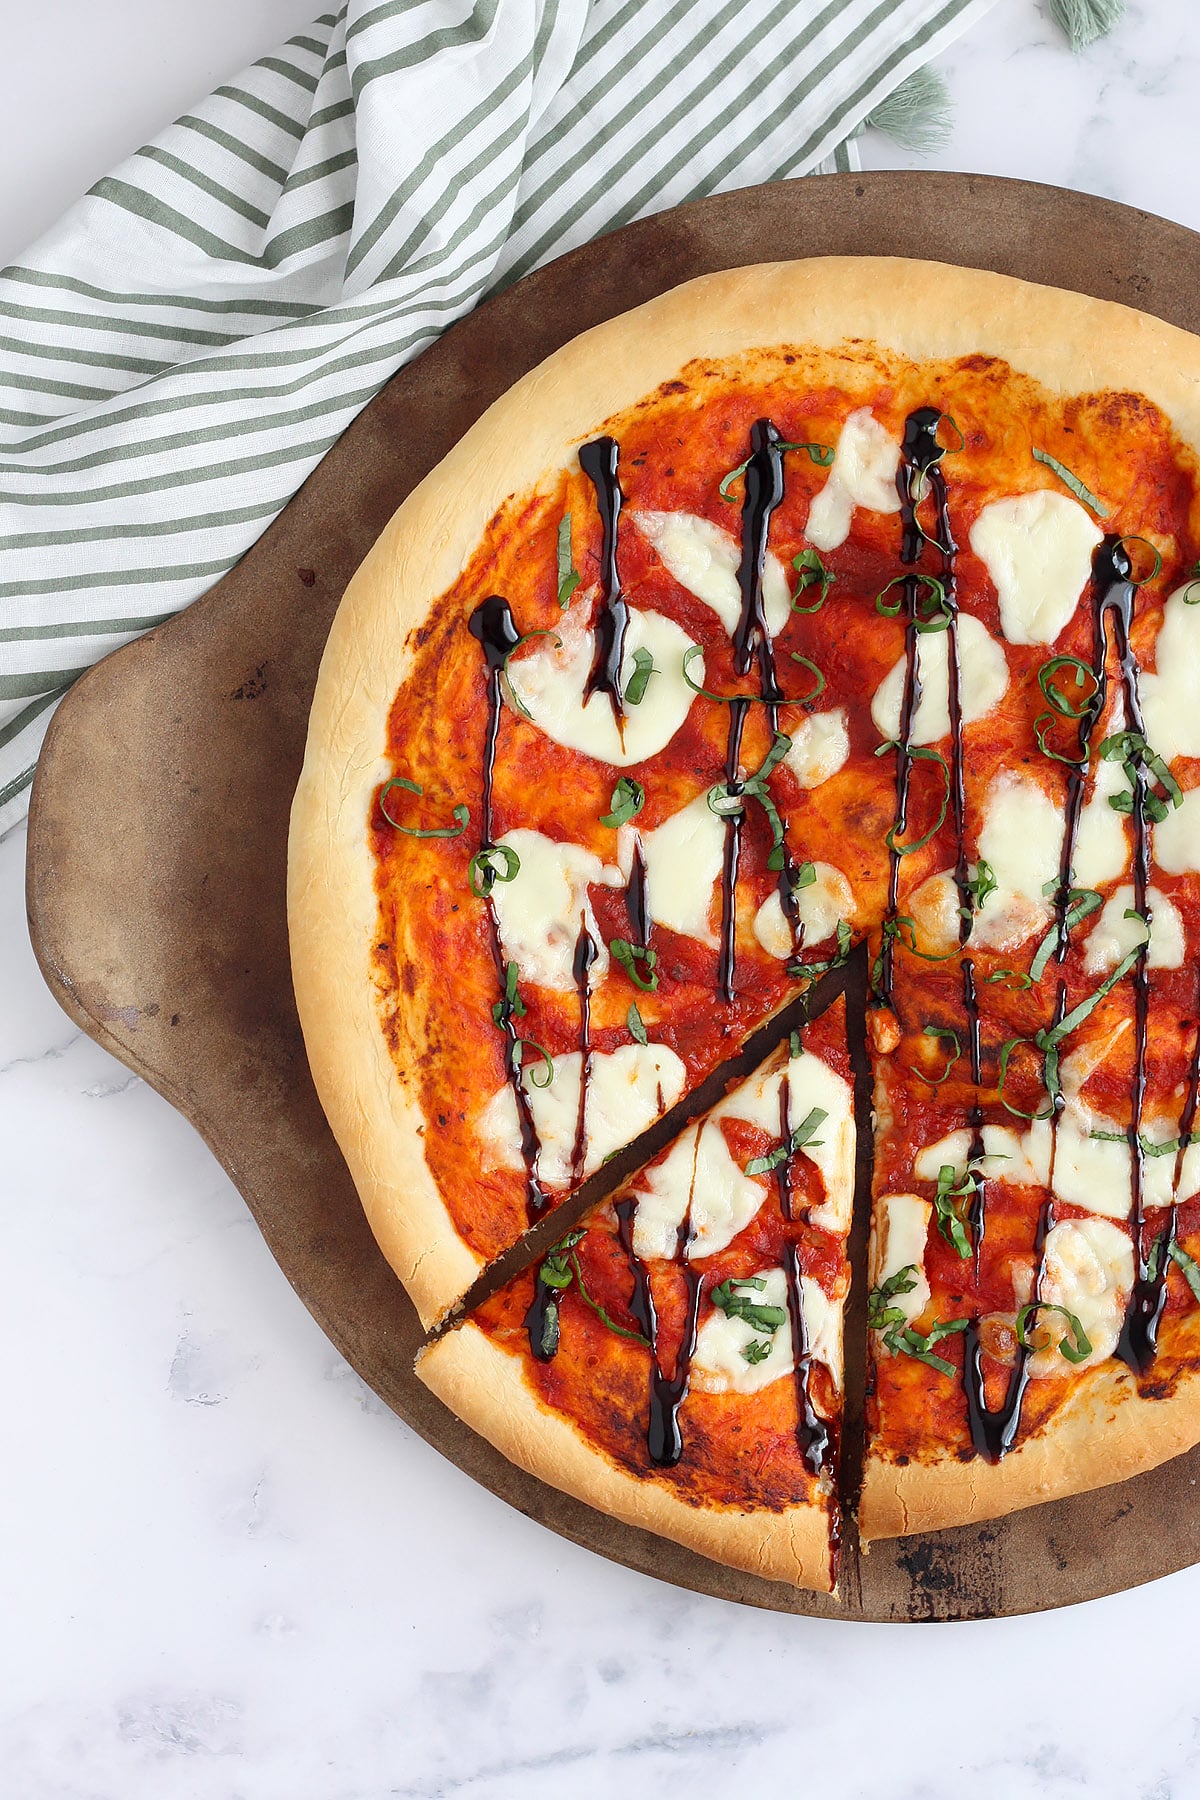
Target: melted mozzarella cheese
[[540, 910], [1114, 935], [718, 1364], [1037, 548], [704, 560], [1101, 846], [1021, 837], [899, 1231], [1088, 1269], [699, 1173], [863, 474], [683, 864], [933, 909], [549, 682], [1021, 1159], [1177, 837], [1171, 695], [628, 1088], [820, 746], [820, 906], [984, 683], [1096, 1174]]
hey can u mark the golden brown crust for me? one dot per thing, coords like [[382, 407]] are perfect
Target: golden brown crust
[[1104, 1433], [485, 1387], [922, 310]]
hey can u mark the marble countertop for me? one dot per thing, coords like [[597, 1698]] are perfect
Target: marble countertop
[[228, 1570]]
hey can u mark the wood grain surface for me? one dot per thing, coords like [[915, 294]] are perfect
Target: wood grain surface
[[158, 835]]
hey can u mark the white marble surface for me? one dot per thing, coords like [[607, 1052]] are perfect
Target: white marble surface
[[227, 1572]]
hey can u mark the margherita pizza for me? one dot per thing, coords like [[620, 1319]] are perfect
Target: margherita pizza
[[814, 614]]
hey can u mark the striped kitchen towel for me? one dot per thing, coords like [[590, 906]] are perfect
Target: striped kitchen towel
[[181, 349]]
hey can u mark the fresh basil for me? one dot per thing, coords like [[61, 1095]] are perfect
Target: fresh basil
[[1076, 1348], [627, 801], [511, 1006], [512, 692], [629, 956], [917, 753], [947, 1202], [803, 1137], [1081, 903], [944, 1034], [461, 814], [981, 885], [821, 454], [933, 610], [1140, 580], [735, 1305], [544, 1069], [635, 1024], [484, 871], [1081, 673], [1141, 763], [1071, 481], [1014, 978], [809, 571], [568, 574], [643, 669]]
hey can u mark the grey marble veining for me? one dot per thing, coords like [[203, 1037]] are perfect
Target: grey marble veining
[[230, 1574]]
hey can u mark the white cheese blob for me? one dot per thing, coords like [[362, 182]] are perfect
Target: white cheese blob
[[1022, 1159], [1114, 935], [826, 900], [820, 746], [718, 1365], [541, 909], [984, 683], [628, 1088], [1177, 837], [899, 1230], [1088, 1269], [1037, 548], [1021, 837], [863, 474], [704, 559], [1101, 846], [683, 859], [1095, 1172], [1171, 695], [933, 909], [549, 682], [699, 1172]]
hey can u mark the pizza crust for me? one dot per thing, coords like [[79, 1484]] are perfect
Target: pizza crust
[[923, 310], [1104, 1433], [484, 1386]]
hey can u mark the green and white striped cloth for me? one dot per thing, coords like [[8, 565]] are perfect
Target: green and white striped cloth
[[181, 349]]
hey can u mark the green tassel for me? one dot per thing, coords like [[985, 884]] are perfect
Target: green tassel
[[918, 113], [1086, 20]]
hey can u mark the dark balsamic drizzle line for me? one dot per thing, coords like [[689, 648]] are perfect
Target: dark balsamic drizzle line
[[812, 1434], [664, 1438], [763, 491], [636, 904], [581, 968], [599, 460], [492, 625]]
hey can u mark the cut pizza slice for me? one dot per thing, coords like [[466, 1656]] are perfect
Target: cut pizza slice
[[676, 1358]]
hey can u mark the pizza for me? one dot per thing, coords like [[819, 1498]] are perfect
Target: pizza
[[811, 652]]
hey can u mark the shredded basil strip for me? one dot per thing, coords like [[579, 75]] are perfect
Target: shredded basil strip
[[627, 801], [1190, 599], [762, 1318], [511, 1006], [643, 669], [512, 692], [483, 873], [806, 699], [917, 753], [949, 1193], [804, 877], [726, 799], [1072, 762], [461, 814], [810, 570], [1076, 1352], [605, 1319], [932, 615], [1188, 1266], [794, 1045], [1012, 978], [809, 971], [1071, 481], [629, 956], [755, 699], [1130, 749], [1150, 1146], [1081, 902], [635, 1024], [1141, 580], [982, 884], [879, 1314], [943, 1033], [568, 574], [1049, 1040], [904, 1341], [801, 1138], [821, 454], [1082, 673], [545, 1068]]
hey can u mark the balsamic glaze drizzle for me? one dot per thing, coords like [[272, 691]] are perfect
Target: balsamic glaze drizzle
[[581, 968], [636, 904], [599, 460], [493, 626]]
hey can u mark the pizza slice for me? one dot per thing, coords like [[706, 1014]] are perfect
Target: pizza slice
[[676, 1358]]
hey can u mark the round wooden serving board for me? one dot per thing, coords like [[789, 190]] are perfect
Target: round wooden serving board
[[157, 842]]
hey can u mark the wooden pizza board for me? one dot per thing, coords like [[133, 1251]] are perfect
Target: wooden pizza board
[[157, 843]]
